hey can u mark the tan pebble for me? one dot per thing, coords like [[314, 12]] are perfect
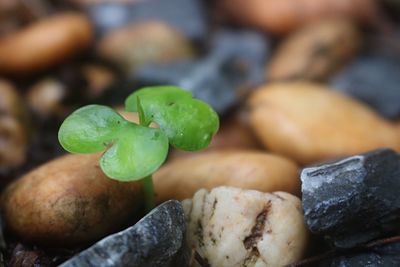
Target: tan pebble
[[144, 43], [44, 44], [315, 51], [283, 16], [230, 227], [309, 123], [46, 96], [181, 178], [69, 201], [13, 128]]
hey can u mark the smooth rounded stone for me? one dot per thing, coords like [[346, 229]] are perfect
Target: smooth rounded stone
[[69, 201], [44, 44], [310, 123], [13, 130], [315, 51], [354, 200], [98, 77], [283, 16], [181, 178], [46, 96], [235, 62], [188, 16], [374, 80], [144, 43], [386, 255], [232, 227], [157, 240]]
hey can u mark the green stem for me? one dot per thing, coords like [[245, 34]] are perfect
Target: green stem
[[149, 198]]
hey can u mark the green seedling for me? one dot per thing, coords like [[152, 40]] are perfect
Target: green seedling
[[135, 151]]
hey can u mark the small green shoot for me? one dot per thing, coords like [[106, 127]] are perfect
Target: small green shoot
[[135, 151]]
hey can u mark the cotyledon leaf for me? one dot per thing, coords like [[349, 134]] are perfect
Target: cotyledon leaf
[[134, 151], [188, 123]]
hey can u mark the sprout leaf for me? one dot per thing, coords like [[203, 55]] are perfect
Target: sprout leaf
[[188, 123]]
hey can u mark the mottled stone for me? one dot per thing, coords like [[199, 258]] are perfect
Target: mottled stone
[[235, 61], [387, 255], [157, 240], [231, 227], [373, 80], [353, 200]]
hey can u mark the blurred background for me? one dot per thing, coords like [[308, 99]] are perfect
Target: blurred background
[[57, 55]]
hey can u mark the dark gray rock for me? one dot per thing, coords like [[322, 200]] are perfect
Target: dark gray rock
[[354, 200], [236, 61], [383, 256], [188, 16], [157, 240], [374, 80]]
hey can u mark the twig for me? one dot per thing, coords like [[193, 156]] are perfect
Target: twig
[[200, 260]]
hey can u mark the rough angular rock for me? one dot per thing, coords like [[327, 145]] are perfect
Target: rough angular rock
[[235, 61], [387, 255], [353, 200], [157, 240], [231, 227], [374, 80], [310, 123]]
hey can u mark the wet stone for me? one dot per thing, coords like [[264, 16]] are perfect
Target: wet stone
[[235, 61], [387, 255], [188, 16], [374, 80], [353, 200], [155, 241]]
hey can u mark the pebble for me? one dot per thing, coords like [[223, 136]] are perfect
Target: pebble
[[353, 200], [157, 240], [231, 227], [246, 169], [373, 79], [315, 51], [310, 123], [144, 43], [44, 44], [13, 128], [284, 16], [69, 201]]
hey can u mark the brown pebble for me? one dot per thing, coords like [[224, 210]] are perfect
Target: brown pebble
[[69, 201], [44, 44], [310, 123], [315, 51]]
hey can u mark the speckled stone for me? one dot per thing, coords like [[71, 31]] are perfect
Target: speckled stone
[[157, 240], [353, 200]]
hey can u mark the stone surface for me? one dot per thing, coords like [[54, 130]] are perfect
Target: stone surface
[[68, 202], [144, 43], [310, 123], [235, 61], [188, 16], [374, 80], [44, 43], [353, 200], [231, 227], [157, 240], [387, 255], [246, 169], [315, 51]]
